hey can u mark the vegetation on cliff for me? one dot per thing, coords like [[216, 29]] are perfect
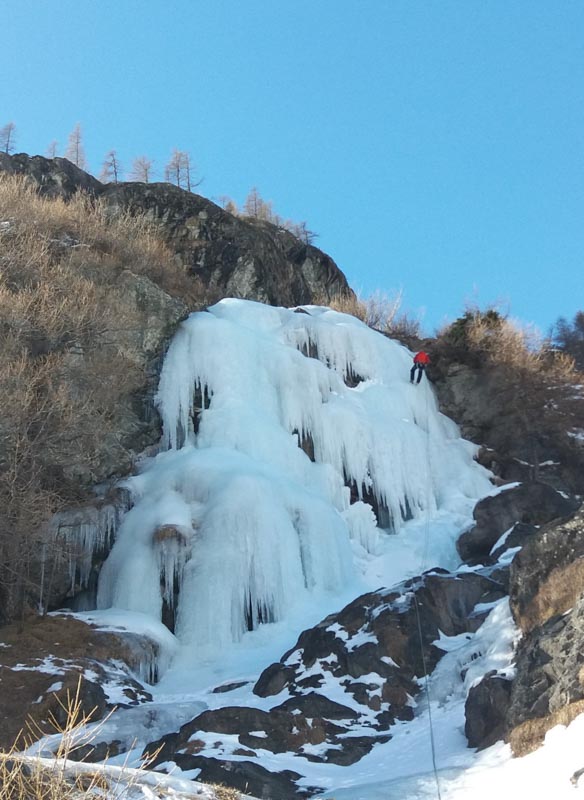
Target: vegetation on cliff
[[69, 367]]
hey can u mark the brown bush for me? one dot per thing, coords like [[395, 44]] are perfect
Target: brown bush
[[528, 736], [379, 311]]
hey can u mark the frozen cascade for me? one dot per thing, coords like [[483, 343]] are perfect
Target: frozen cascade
[[86, 532], [260, 526]]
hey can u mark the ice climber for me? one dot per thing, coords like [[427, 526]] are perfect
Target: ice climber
[[421, 361]]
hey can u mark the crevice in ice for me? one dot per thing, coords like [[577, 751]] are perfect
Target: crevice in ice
[[257, 612], [305, 443], [352, 378], [201, 402]]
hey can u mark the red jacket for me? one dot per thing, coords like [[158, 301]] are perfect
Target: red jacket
[[422, 358]]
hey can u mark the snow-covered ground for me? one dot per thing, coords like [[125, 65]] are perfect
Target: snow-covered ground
[[263, 533]]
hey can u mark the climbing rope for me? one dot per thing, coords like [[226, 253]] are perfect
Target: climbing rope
[[423, 567]]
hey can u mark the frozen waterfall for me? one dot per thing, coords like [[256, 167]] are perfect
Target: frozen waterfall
[[285, 433]]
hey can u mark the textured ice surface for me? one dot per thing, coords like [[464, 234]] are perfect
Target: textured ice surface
[[261, 526]]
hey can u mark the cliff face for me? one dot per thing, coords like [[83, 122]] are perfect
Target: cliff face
[[231, 256]]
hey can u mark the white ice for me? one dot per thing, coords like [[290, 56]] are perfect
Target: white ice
[[262, 529]]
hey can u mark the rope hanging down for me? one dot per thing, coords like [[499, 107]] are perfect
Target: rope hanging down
[[423, 567]]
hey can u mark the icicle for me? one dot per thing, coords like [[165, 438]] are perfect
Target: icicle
[[285, 433], [86, 533]]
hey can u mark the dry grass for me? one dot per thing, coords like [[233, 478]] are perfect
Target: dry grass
[[379, 311], [528, 736], [521, 373], [58, 777], [83, 236], [224, 792], [559, 592]]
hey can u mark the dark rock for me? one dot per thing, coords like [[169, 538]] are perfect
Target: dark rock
[[273, 679], [82, 661], [55, 177], [246, 776], [359, 747], [317, 705], [232, 256], [547, 576], [486, 709], [377, 634], [95, 753], [229, 687], [533, 503], [520, 534], [549, 679]]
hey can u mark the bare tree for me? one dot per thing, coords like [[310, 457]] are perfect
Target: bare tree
[[301, 231], [569, 337], [173, 169], [52, 149], [252, 203], [7, 138], [141, 169], [111, 170], [228, 204], [255, 206], [180, 170], [75, 151]]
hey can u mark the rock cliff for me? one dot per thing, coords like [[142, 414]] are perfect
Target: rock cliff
[[232, 256]]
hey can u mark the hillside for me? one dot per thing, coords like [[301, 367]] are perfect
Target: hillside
[[274, 563]]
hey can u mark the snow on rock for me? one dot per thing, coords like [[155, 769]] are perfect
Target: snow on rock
[[264, 522]]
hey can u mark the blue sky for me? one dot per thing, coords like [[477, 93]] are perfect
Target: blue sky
[[436, 146]]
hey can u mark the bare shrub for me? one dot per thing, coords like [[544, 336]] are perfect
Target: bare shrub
[[531, 380], [379, 311], [58, 777]]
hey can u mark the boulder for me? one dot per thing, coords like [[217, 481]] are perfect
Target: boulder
[[533, 503], [485, 710], [248, 777], [377, 635]]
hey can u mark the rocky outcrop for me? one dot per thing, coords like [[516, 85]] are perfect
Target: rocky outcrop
[[548, 688], [56, 177], [231, 256], [55, 663], [531, 504], [476, 392], [547, 576], [546, 586], [368, 657]]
